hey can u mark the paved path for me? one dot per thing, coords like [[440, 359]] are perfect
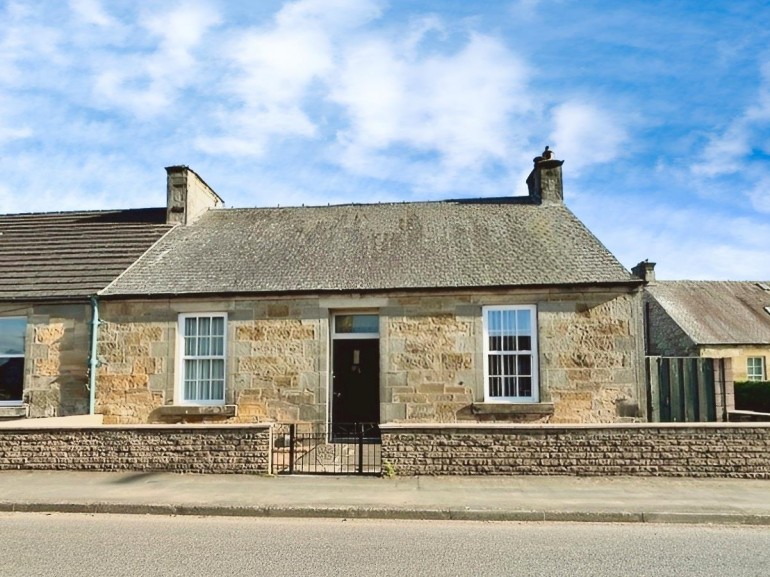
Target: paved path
[[483, 498]]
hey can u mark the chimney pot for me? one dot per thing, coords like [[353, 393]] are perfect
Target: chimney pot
[[545, 181], [645, 270]]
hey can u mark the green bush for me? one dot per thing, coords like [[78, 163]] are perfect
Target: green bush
[[752, 396]]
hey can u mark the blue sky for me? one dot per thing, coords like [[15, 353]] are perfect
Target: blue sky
[[660, 109]]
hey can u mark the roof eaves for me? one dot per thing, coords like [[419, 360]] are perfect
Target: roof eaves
[[630, 284]]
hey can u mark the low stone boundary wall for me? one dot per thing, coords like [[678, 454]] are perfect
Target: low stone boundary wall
[[161, 448], [672, 450]]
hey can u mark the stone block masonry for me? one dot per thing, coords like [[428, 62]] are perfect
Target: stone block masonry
[[163, 448], [670, 450]]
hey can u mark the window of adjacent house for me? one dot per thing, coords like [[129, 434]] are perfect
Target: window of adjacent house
[[510, 353], [203, 358], [12, 331], [755, 368]]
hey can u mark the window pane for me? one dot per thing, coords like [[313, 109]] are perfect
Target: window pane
[[495, 343], [190, 327], [204, 346], [524, 365], [218, 380], [190, 380], [11, 379], [357, 324], [525, 386], [204, 330], [495, 388], [493, 322], [12, 336], [523, 322], [509, 343], [218, 326]]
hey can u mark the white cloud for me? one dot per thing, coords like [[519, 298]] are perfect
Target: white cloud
[[455, 108], [729, 152], [91, 12], [586, 134], [26, 46], [273, 69], [686, 242], [147, 83], [759, 195]]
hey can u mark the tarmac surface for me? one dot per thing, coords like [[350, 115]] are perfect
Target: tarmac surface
[[587, 499]]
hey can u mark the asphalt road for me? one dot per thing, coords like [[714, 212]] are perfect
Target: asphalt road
[[113, 545]]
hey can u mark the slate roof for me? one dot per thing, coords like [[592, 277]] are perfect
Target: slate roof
[[446, 244], [72, 254], [717, 312]]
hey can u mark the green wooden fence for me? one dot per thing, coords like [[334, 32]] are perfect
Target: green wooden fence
[[683, 389]]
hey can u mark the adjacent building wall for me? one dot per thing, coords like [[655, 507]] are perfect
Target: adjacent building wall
[[664, 336], [431, 358], [56, 358], [739, 356]]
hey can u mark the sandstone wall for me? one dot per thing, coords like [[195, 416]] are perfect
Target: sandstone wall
[[646, 450], [161, 448], [431, 358], [56, 358], [275, 355], [590, 358], [591, 353]]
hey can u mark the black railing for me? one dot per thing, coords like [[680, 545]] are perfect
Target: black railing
[[341, 449]]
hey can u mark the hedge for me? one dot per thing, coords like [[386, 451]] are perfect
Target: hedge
[[752, 396]]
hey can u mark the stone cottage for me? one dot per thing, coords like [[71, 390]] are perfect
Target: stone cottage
[[52, 265], [493, 309], [712, 319]]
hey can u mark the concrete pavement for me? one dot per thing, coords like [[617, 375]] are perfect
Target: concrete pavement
[[606, 499]]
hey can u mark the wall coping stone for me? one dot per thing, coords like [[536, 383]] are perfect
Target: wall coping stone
[[398, 427], [145, 427]]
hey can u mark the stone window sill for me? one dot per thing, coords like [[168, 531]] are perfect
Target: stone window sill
[[512, 408], [11, 412], [198, 410]]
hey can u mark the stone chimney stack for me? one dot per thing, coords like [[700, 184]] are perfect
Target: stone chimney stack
[[545, 182], [645, 270], [187, 196]]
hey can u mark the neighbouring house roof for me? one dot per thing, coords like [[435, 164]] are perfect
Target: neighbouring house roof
[[72, 254], [717, 312], [359, 247]]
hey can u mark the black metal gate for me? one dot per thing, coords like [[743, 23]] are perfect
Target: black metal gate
[[317, 448]]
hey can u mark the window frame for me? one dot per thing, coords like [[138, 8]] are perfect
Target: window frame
[[752, 376], [23, 356], [182, 357], [532, 353]]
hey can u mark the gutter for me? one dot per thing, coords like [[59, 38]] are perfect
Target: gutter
[[93, 363]]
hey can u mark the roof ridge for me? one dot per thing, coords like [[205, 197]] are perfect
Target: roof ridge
[[490, 200]]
